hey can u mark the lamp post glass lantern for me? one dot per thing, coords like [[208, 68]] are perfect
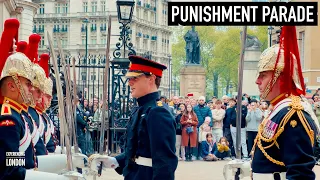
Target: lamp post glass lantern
[[125, 10]]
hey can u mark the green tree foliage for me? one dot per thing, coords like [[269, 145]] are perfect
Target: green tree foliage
[[220, 54]]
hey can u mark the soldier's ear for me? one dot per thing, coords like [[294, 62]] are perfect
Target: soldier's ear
[[11, 86]]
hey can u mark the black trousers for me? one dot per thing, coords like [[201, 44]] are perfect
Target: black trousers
[[251, 136], [227, 134]]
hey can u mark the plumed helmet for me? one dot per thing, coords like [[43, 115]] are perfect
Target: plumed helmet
[[39, 73], [16, 64], [44, 63]]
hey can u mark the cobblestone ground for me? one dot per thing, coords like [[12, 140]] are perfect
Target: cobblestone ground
[[196, 170]]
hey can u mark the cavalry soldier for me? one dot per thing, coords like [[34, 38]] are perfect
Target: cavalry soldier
[[32, 54], [49, 138], [150, 142], [284, 145], [16, 89]]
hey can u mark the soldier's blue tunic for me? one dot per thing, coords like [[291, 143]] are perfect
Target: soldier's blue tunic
[[10, 136], [150, 134], [295, 150], [51, 146], [40, 147]]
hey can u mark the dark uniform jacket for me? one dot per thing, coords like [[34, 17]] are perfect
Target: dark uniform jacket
[[51, 146], [151, 133], [12, 130], [295, 148], [40, 147]]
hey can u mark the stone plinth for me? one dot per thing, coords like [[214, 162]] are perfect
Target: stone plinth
[[250, 71], [193, 80]]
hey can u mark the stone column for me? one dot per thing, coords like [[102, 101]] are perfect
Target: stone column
[[26, 18], [250, 71], [7, 7]]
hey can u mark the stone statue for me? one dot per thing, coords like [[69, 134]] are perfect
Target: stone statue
[[252, 41], [192, 46]]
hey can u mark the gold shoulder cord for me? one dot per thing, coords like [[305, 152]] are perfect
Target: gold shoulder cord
[[296, 107]]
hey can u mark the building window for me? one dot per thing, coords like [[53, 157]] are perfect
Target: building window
[[103, 27], [85, 6], [57, 8], [94, 26], [94, 6], [65, 8], [103, 6], [83, 40], [41, 9], [93, 41], [84, 76], [64, 42], [103, 41], [41, 44], [93, 76]]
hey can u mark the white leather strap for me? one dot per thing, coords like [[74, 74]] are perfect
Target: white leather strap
[[144, 161], [41, 126], [26, 139], [268, 176]]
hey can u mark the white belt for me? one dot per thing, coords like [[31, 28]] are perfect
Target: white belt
[[268, 176], [144, 161]]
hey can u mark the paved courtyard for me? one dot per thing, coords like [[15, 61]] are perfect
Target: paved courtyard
[[196, 170]]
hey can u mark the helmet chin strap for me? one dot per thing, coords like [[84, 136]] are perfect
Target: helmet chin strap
[[270, 85], [26, 99]]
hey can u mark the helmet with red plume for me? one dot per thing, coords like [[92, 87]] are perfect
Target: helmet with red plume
[[32, 52], [22, 46], [284, 60], [44, 63], [9, 34]]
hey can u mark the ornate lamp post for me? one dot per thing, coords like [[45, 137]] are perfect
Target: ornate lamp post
[[119, 89], [270, 28]]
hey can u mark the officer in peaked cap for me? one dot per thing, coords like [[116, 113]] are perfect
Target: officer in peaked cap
[[285, 142], [150, 135]]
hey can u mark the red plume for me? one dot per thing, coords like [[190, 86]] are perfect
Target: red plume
[[44, 63], [32, 53], [22, 46], [9, 33], [292, 79]]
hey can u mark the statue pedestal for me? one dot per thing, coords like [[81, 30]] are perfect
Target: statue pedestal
[[193, 80], [250, 71]]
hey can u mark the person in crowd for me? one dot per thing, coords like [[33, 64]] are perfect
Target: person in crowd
[[218, 115], [176, 103], [189, 122], [225, 100], [264, 106], [208, 148], [201, 111], [253, 119], [233, 120], [221, 148], [193, 102], [204, 129], [230, 113], [180, 112]]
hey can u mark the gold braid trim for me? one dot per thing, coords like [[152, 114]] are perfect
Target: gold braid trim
[[296, 107]]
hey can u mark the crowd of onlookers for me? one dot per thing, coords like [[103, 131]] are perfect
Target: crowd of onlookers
[[206, 129]]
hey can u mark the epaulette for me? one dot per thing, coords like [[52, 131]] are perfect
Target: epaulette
[[7, 105], [159, 103], [5, 110], [295, 106]]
